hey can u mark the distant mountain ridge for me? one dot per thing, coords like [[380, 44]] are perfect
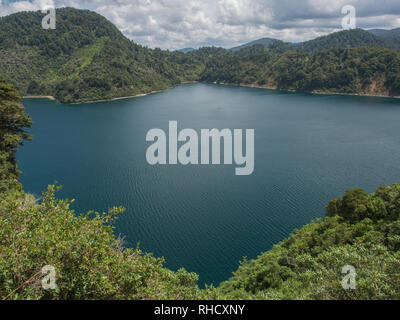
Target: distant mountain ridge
[[264, 41], [348, 39], [385, 33], [186, 50], [343, 39]]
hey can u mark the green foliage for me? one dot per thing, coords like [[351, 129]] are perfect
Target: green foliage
[[361, 230], [85, 58], [353, 61], [90, 262], [348, 39], [357, 205], [13, 121], [339, 40], [369, 70]]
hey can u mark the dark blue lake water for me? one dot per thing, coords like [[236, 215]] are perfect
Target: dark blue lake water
[[308, 150]]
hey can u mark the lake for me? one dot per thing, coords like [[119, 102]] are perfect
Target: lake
[[309, 149]]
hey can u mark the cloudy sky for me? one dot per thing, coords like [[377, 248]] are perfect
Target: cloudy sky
[[175, 24]]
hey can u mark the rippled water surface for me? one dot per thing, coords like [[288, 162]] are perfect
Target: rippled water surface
[[308, 150]]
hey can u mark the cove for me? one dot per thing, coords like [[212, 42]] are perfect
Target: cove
[[309, 150]]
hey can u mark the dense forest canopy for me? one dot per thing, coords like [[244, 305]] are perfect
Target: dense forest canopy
[[87, 58], [349, 39], [367, 70], [13, 122]]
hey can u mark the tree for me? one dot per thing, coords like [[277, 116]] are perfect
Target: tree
[[13, 121]]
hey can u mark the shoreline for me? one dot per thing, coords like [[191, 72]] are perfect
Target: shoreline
[[121, 98], [312, 92], [39, 97], [355, 94], [96, 101], [224, 84]]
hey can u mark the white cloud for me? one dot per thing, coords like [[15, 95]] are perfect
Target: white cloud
[[7, 7], [192, 23]]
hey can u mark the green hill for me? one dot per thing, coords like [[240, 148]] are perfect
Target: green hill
[[339, 40], [385, 33], [365, 70], [348, 39], [85, 58], [350, 62]]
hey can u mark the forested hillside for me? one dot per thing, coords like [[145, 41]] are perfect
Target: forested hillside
[[13, 122], [355, 38], [365, 70], [348, 39], [351, 62], [85, 58], [394, 33]]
